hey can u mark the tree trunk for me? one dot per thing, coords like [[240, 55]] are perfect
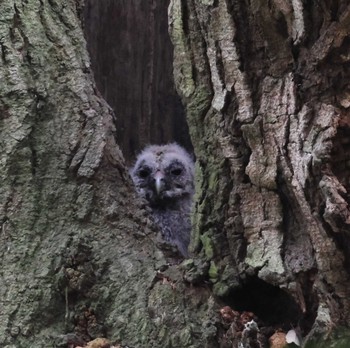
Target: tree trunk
[[78, 259], [131, 55], [266, 91], [266, 98]]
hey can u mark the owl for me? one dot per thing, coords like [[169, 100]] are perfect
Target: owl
[[164, 176]]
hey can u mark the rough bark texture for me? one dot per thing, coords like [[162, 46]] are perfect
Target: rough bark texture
[[77, 258], [131, 56], [265, 85]]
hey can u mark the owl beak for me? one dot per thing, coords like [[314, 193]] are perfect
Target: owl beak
[[159, 182]]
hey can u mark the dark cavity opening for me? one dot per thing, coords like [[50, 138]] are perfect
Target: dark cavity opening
[[132, 60], [269, 303]]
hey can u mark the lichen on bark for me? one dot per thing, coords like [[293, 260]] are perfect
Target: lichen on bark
[[268, 134], [78, 253]]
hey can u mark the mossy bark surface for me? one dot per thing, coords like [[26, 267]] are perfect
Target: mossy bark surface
[[77, 250], [265, 86]]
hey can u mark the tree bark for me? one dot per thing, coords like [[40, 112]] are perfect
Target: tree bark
[[266, 91], [78, 260], [132, 55], [265, 87]]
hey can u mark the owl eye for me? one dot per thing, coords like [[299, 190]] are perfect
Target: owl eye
[[176, 171], [144, 173]]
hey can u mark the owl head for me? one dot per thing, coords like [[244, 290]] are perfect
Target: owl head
[[164, 173]]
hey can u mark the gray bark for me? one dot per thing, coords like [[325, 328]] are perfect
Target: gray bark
[[265, 88], [266, 91], [78, 259]]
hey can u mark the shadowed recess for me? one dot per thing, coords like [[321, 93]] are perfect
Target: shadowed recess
[[269, 303], [132, 60]]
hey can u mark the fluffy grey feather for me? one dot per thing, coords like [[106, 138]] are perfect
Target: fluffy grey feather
[[164, 176]]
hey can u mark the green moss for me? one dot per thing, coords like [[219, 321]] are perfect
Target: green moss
[[197, 218], [187, 264], [207, 245], [207, 2], [221, 289], [213, 180], [213, 272], [339, 339], [182, 63], [184, 339], [195, 270], [197, 106]]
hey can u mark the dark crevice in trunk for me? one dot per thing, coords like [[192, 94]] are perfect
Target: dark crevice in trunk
[[269, 303], [132, 57]]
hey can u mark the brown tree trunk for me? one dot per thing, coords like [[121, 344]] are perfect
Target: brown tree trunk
[[77, 257], [132, 55], [266, 99], [266, 90]]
